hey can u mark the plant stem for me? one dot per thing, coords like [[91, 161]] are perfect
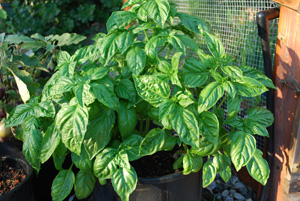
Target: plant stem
[[119, 62], [168, 53], [223, 100], [147, 126], [162, 48], [141, 125], [147, 37]]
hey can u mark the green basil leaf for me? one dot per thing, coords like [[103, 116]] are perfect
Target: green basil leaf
[[63, 58], [258, 168], [124, 41], [232, 71], [82, 161], [210, 95], [260, 116], [124, 181], [125, 89], [80, 90], [243, 146], [67, 39], [209, 173], [136, 60], [195, 73], [104, 165], [122, 159], [127, 120], [209, 124], [24, 111], [96, 73], [185, 124], [152, 142], [59, 156], [214, 45], [142, 13], [185, 99], [233, 107], [223, 165], [119, 19], [249, 87], [84, 184], [193, 23], [152, 45], [177, 43], [104, 93], [63, 84], [229, 88], [205, 148], [32, 143], [158, 10], [191, 163], [255, 128], [188, 42], [257, 75], [152, 89], [62, 185], [71, 121], [132, 146], [99, 132], [50, 141], [130, 3]]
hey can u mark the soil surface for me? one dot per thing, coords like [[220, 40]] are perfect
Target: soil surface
[[156, 165], [10, 177]]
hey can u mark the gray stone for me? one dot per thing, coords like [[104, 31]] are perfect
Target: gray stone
[[244, 191], [229, 199], [219, 196], [239, 185], [239, 196], [233, 180], [225, 193], [249, 199], [212, 186], [232, 191]]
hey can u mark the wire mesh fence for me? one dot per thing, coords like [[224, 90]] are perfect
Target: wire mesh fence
[[234, 22]]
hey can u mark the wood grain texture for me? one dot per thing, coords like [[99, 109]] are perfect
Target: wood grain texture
[[287, 102], [293, 4]]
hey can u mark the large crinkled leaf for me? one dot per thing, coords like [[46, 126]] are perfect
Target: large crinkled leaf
[[124, 181], [91, 52], [205, 148], [209, 173], [130, 3], [258, 168], [104, 92], [96, 73], [99, 132], [71, 121], [257, 75], [193, 23], [81, 91], [210, 95], [243, 146], [136, 60], [62, 185], [260, 116], [124, 40], [152, 142], [119, 19], [232, 71], [24, 111], [249, 87], [223, 165], [104, 165], [132, 146], [158, 10], [194, 72], [209, 125], [84, 183], [152, 45], [122, 159], [152, 89], [127, 120], [125, 89], [63, 84], [17, 38], [177, 42], [185, 124], [50, 141], [32, 143]]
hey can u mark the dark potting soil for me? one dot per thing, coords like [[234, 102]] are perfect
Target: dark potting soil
[[10, 177], [156, 165]]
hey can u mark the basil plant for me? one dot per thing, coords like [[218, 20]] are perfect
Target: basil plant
[[98, 105]]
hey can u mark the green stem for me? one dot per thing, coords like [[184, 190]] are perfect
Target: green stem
[[162, 48], [147, 126], [223, 100], [141, 125], [119, 62], [147, 37], [168, 53]]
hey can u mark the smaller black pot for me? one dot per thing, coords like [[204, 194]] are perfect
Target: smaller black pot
[[24, 190], [174, 187]]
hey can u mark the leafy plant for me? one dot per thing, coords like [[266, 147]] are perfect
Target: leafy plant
[[26, 64], [91, 106]]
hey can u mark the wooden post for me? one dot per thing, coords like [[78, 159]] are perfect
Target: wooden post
[[285, 171]]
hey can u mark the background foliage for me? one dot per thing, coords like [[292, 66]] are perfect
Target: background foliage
[[57, 16]]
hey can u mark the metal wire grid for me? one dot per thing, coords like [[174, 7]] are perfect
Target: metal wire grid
[[234, 22]]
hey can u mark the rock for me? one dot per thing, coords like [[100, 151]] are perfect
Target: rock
[[212, 186], [229, 199], [238, 196], [225, 193], [239, 185], [244, 191], [232, 191], [249, 199], [233, 180], [218, 196]]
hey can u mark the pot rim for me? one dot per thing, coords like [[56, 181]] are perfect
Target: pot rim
[[28, 175], [163, 179]]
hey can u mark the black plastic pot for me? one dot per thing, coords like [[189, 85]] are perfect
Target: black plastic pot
[[174, 187], [23, 191]]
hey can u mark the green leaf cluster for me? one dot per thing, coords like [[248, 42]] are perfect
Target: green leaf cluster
[[104, 97]]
